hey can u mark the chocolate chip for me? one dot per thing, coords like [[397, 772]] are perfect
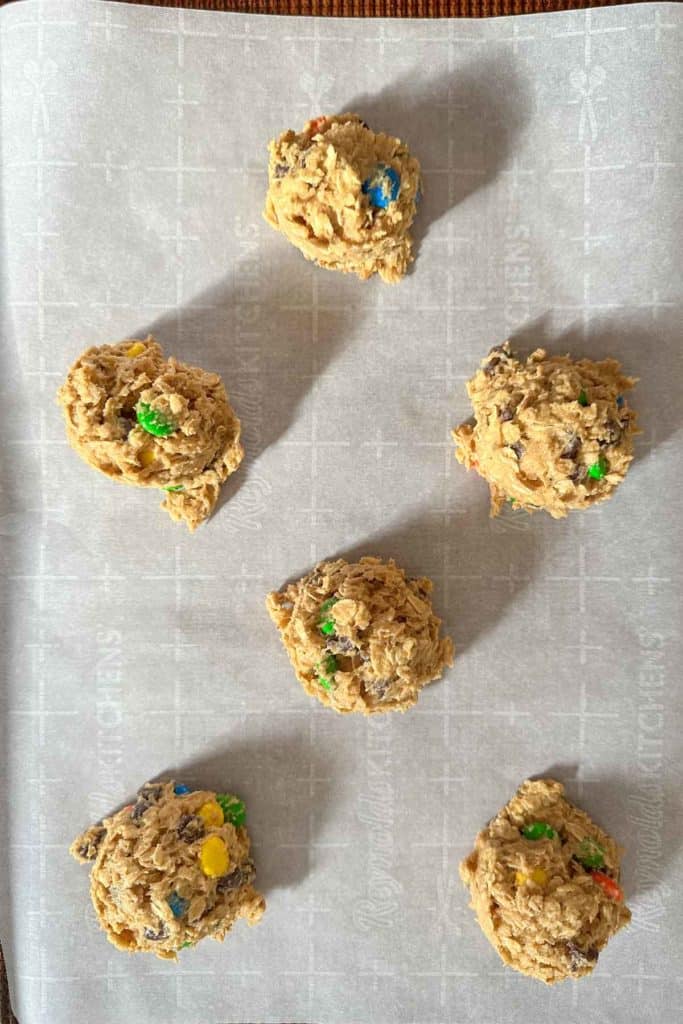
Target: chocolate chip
[[148, 795], [156, 936], [190, 828], [571, 449], [281, 170], [231, 881], [242, 875], [151, 792], [495, 359], [89, 847], [506, 413], [578, 473], [248, 871], [611, 435], [517, 448], [580, 958], [341, 645], [378, 688]]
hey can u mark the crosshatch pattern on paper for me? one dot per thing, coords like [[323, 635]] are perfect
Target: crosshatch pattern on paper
[[134, 155]]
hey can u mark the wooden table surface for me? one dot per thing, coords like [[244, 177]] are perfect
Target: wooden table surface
[[353, 9]]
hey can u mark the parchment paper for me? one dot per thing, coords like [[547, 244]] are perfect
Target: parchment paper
[[134, 144]]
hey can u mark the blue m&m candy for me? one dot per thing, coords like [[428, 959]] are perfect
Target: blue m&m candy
[[382, 187], [620, 401], [181, 789], [177, 904]]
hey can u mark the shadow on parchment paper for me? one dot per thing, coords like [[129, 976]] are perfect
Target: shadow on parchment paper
[[646, 348], [467, 120], [514, 546], [620, 804], [268, 350], [272, 775]]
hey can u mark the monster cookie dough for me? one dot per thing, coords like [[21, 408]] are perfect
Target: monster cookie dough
[[548, 432], [170, 869], [361, 636], [154, 422], [544, 882], [345, 196]]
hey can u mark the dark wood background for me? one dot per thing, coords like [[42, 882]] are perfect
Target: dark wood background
[[352, 9]]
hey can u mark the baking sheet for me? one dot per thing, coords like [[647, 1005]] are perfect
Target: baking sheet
[[134, 174]]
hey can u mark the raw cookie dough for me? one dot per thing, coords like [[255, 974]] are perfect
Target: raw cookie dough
[[548, 900], [548, 432], [361, 636], [154, 422], [345, 196], [170, 869]]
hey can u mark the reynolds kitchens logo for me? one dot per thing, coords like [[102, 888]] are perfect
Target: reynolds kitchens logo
[[376, 810], [646, 808]]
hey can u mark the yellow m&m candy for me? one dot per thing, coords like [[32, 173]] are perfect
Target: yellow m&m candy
[[211, 814], [538, 876], [135, 350], [213, 857], [146, 457]]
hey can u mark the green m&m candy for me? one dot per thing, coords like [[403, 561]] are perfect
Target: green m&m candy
[[328, 666], [326, 625], [233, 808], [599, 469], [590, 853], [153, 421], [538, 830]]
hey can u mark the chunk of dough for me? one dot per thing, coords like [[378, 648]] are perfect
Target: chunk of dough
[[361, 636], [345, 196], [549, 432], [192, 441], [549, 904], [170, 870]]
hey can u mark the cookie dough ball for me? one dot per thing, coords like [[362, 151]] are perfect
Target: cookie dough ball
[[361, 636], [544, 882], [548, 432], [345, 196], [153, 422], [171, 869]]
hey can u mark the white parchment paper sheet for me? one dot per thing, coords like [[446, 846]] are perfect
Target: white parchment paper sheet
[[134, 146]]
